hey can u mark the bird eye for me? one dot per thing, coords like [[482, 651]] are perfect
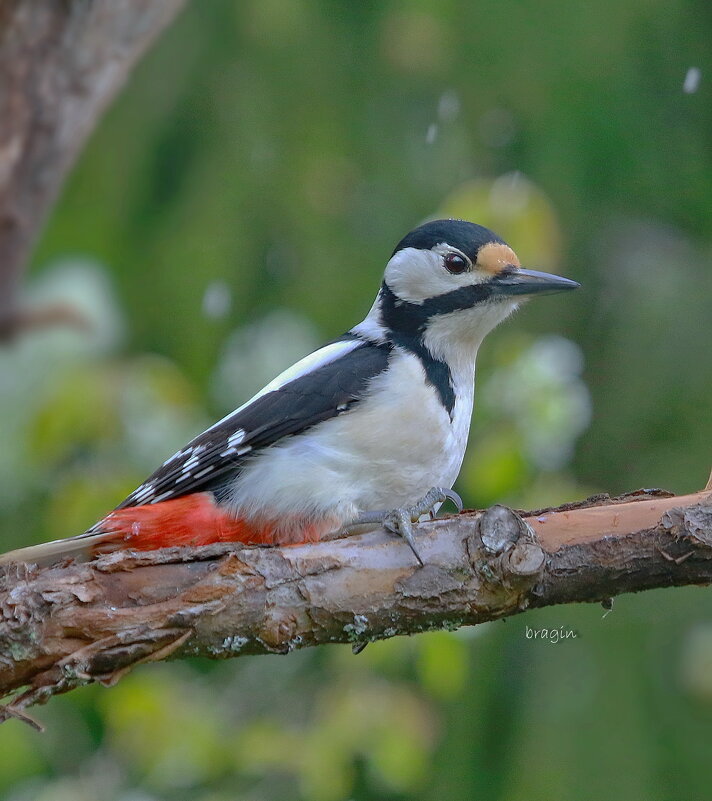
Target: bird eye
[[455, 263]]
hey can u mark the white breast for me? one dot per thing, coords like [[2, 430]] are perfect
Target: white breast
[[388, 451]]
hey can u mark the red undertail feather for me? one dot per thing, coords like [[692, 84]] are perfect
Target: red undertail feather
[[197, 520], [190, 520]]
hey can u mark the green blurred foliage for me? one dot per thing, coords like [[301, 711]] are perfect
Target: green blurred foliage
[[244, 192]]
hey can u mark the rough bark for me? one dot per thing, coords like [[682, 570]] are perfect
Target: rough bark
[[69, 625], [60, 65]]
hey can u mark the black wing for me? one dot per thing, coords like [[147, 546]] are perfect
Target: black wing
[[213, 458]]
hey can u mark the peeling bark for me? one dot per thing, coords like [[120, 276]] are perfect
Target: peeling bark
[[61, 63], [72, 624]]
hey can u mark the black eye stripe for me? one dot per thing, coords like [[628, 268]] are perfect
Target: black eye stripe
[[455, 263]]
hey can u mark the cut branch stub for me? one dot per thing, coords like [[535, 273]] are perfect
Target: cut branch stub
[[506, 555]]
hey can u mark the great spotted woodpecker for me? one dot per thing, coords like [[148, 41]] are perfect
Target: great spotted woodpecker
[[376, 420]]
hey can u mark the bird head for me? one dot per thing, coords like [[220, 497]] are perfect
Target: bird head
[[456, 280]]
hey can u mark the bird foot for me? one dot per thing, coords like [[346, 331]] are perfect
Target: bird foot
[[400, 521]]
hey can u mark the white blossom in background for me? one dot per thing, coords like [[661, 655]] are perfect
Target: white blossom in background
[[692, 80], [257, 352], [448, 110], [448, 106], [543, 392], [511, 194], [217, 300], [84, 287]]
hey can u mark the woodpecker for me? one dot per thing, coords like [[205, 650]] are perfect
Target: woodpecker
[[375, 420]]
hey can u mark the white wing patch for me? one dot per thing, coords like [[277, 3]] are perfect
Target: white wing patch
[[308, 364]]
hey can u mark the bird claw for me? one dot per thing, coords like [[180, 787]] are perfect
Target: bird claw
[[400, 521], [451, 495]]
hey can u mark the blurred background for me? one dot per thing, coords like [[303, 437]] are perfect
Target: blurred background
[[233, 211]]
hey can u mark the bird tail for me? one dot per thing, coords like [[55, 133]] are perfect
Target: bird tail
[[80, 548], [190, 520]]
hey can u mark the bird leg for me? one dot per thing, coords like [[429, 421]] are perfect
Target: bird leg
[[400, 521]]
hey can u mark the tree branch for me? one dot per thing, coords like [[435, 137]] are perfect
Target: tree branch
[[61, 63], [69, 625]]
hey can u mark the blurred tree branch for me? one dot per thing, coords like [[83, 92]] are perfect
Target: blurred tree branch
[[61, 63], [73, 624]]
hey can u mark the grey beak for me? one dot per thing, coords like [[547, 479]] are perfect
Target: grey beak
[[531, 282]]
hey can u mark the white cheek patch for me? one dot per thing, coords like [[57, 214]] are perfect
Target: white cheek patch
[[417, 275]]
